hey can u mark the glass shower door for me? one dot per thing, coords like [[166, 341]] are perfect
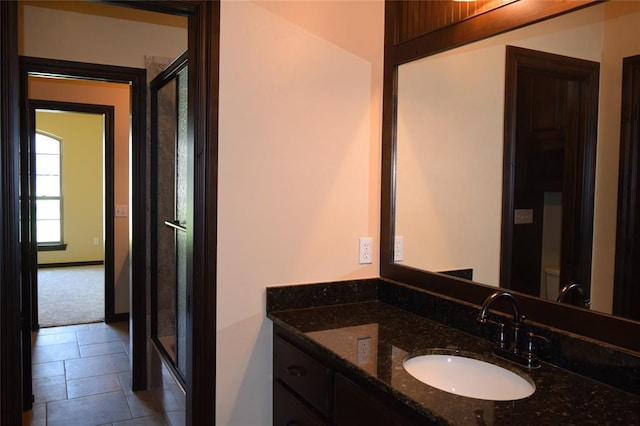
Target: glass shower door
[[169, 205]]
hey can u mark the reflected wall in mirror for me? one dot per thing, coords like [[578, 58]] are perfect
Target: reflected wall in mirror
[[450, 139]]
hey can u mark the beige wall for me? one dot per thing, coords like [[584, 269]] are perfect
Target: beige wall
[[118, 96], [299, 171], [620, 40], [86, 37], [463, 122], [82, 184]]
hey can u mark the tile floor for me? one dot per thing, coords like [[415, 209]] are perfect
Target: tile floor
[[81, 376]]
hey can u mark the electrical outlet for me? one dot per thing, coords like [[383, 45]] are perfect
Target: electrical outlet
[[363, 350], [96, 241], [366, 250], [398, 249]]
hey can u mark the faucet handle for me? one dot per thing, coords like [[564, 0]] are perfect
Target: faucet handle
[[532, 358], [502, 338], [533, 337]]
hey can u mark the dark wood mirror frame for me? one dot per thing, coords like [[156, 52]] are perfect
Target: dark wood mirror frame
[[602, 327]]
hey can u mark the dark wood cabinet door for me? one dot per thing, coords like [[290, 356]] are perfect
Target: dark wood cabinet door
[[355, 406]]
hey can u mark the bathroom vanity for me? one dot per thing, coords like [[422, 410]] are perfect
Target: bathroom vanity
[[339, 348], [338, 352]]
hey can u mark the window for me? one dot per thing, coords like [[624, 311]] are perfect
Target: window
[[48, 192]]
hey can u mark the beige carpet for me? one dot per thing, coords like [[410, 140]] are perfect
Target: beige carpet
[[71, 295]]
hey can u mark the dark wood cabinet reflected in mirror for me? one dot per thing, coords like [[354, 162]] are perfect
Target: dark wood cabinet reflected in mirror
[[401, 54]]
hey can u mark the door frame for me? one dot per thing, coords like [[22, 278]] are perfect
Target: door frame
[[108, 208], [627, 269], [136, 77], [170, 73], [11, 401], [204, 47], [577, 243]]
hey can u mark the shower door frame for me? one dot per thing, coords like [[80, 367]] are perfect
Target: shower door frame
[[171, 73]]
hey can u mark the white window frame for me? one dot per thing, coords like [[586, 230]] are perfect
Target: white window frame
[[51, 244]]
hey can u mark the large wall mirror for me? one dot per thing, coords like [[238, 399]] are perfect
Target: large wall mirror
[[448, 141]]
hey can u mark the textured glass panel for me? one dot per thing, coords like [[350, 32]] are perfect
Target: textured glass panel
[[181, 213], [47, 209], [165, 144], [181, 281], [181, 149], [47, 186], [171, 173]]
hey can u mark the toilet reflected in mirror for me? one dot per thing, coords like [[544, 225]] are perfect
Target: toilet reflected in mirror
[[551, 282]]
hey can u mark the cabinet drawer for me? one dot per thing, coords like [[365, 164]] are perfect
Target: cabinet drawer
[[306, 376], [289, 411]]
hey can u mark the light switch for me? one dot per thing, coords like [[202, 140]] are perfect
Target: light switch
[[523, 216]]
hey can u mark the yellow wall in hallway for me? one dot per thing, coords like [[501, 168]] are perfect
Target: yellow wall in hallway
[[82, 184], [117, 95]]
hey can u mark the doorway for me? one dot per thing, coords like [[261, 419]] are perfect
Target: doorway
[[551, 106], [72, 155], [133, 99], [204, 25]]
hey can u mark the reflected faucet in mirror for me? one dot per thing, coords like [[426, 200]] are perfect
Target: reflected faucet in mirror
[[573, 288]]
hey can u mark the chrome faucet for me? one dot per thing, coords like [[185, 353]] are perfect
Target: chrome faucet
[[570, 288], [511, 349]]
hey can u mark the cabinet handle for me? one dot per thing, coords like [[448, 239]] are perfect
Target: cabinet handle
[[296, 371]]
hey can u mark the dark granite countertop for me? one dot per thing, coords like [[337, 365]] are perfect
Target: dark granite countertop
[[561, 397]]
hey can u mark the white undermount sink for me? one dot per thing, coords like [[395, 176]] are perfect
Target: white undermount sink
[[459, 373]]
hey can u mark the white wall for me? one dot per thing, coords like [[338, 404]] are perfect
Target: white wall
[[299, 161]]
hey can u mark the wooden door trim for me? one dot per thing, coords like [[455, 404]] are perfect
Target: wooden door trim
[[10, 303], [109, 203], [626, 265], [587, 73], [204, 50], [203, 58]]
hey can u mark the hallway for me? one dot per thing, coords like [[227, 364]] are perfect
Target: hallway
[[81, 376]]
